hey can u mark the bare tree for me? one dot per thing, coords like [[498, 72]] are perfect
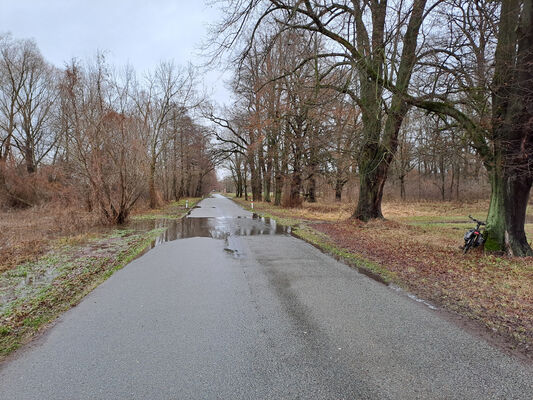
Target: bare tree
[[108, 143], [36, 99], [168, 88]]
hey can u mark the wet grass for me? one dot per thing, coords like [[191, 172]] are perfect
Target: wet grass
[[36, 292], [174, 210], [418, 250]]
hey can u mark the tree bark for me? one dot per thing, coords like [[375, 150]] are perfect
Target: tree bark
[[295, 199], [339, 184], [402, 187], [151, 185], [371, 183], [510, 166]]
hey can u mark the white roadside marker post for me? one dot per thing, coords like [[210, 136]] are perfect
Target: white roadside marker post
[[186, 203], [252, 205]]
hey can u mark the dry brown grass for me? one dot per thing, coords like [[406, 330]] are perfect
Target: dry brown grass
[[399, 209], [395, 210], [26, 234]]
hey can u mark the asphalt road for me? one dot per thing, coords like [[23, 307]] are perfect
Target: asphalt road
[[246, 311]]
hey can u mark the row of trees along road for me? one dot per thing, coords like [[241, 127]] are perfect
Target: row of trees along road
[[102, 134], [337, 88]]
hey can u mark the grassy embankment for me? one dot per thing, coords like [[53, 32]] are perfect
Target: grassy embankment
[[417, 249], [37, 286]]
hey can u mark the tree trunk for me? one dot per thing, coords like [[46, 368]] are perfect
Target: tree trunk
[[507, 214], [198, 192], [238, 186], [245, 190], [255, 179], [29, 157], [510, 170], [338, 190], [311, 194], [278, 178], [245, 181], [151, 186], [278, 189], [295, 199], [370, 195], [402, 187], [268, 179], [381, 146]]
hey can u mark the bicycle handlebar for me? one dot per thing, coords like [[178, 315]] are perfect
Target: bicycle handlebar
[[477, 221]]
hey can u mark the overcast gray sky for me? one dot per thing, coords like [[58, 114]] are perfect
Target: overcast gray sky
[[137, 32]]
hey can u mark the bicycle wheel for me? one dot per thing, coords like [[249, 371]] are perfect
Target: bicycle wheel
[[469, 244]]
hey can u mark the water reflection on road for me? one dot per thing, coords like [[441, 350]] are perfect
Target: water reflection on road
[[216, 228]]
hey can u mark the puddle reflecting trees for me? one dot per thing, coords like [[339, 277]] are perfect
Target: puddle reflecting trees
[[215, 228]]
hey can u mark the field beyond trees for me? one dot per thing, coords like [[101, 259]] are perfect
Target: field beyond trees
[[418, 249]]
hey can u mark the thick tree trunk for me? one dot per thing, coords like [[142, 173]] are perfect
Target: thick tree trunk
[[151, 186], [311, 194], [402, 187], [382, 145], [373, 168], [507, 214], [295, 198], [122, 216], [370, 195], [255, 179], [338, 190], [256, 185], [268, 188], [29, 157], [295, 189], [510, 167], [278, 190], [238, 185], [198, 192]]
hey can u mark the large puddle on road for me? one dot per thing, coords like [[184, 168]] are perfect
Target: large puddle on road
[[29, 278], [216, 228]]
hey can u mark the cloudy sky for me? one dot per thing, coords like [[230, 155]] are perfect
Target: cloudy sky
[[138, 32]]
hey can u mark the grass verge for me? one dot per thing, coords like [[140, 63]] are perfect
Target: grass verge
[[36, 292]]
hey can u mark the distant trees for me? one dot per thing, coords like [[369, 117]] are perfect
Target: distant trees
[[112, 137], [167, 93], [28, 90]]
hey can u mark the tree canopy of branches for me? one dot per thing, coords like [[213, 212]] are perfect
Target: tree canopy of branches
[[116, 138], [466, 63]]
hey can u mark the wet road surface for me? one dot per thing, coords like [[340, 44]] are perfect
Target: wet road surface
[[228, 306]]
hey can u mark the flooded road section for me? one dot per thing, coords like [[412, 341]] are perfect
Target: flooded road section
[[217, 218], [211, 227], [222, 221]]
